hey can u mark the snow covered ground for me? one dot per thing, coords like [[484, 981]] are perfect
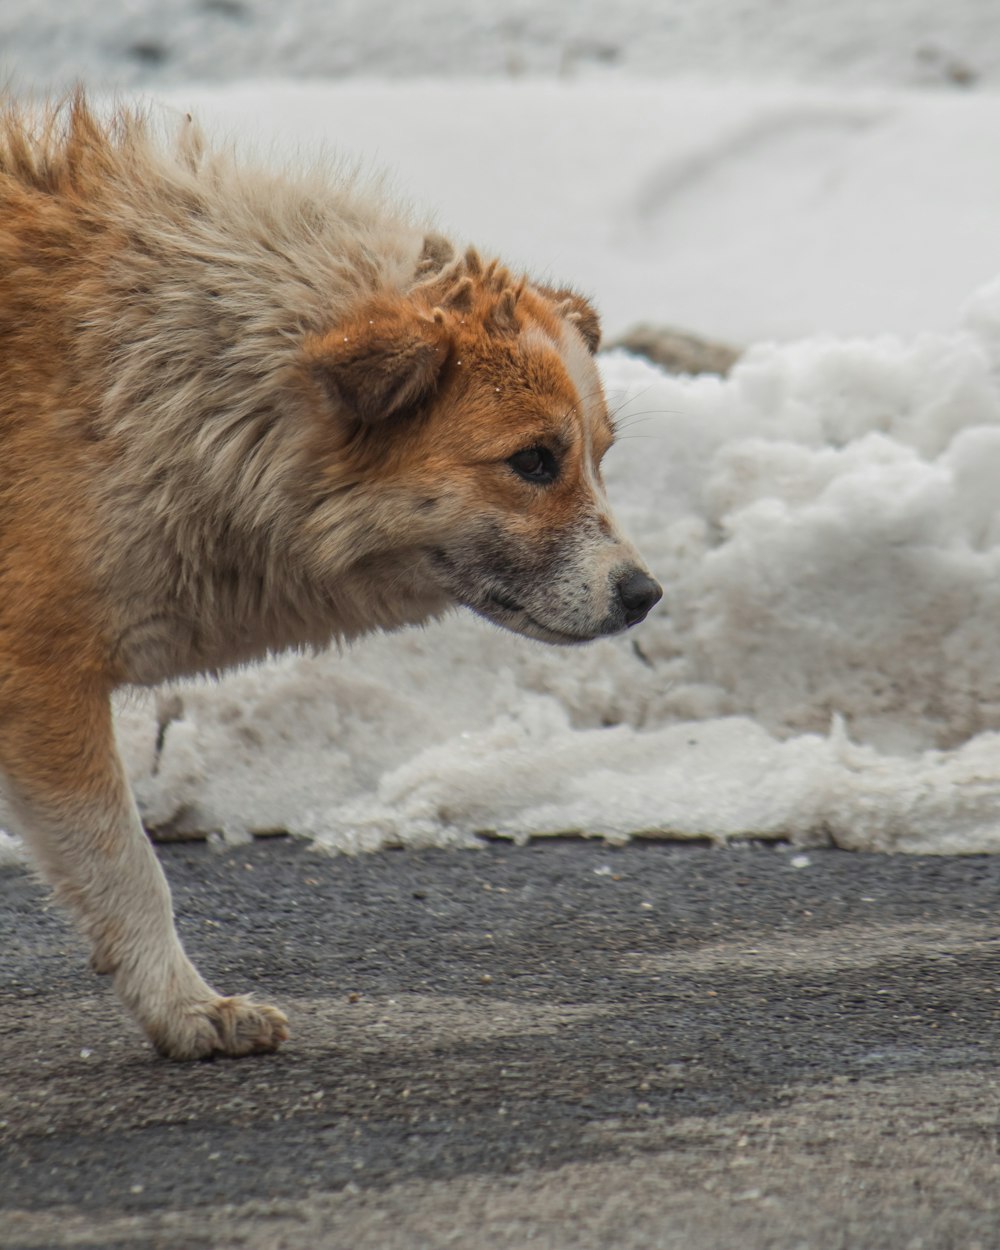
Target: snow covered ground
[[826, 662]]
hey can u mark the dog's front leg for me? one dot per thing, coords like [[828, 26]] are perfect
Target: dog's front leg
[[73, 805]]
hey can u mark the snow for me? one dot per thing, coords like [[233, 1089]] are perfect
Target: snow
[[825, 665], [854, 42]]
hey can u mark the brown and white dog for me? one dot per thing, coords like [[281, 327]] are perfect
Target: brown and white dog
[[241, 412]]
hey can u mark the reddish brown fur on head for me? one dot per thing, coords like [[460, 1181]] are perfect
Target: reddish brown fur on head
[[390, 356], [480, 374]]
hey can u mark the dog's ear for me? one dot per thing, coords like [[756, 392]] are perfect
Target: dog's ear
[[579, 311], [435, 254], [382, 362]]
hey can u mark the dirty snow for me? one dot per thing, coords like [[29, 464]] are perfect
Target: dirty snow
[[825, 664], [148, 43]]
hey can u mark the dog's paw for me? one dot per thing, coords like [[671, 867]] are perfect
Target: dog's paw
[[221, 1026]]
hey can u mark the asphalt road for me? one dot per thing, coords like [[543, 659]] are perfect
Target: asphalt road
[[560, 1046]]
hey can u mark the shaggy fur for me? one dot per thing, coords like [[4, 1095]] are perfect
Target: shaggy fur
[[241, 413]]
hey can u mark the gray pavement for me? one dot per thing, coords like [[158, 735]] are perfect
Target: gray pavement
[[560, 1046]]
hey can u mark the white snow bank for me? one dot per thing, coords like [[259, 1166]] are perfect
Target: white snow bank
[[826, 662]]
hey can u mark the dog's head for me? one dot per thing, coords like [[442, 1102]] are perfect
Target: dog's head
[[470, 416]]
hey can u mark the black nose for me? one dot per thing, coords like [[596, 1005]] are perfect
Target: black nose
[[637, 593]]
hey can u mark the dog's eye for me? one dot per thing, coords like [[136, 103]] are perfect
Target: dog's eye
[[535, 464]]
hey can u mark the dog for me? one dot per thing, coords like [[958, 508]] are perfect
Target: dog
[[244, 411]]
